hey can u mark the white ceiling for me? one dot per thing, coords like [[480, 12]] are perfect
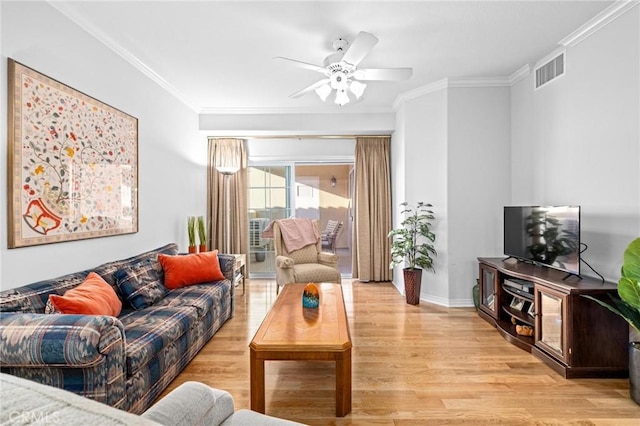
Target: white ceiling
[[217, 56]]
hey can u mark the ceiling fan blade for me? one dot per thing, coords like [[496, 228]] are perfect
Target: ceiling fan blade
[[383, 74], [305, 65], [308, 89], [360, 47]]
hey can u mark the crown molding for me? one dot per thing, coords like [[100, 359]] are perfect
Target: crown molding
[[417, 92], [479, 82], [447, 83], [609, 14], [119, 50], [520, 74]]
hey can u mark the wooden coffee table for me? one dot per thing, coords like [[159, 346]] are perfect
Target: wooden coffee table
[[290, 332]]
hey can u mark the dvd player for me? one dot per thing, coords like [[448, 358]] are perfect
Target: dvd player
[[518, 284]]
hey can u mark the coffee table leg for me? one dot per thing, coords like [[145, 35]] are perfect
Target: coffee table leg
[[343, 385], [257, 382]]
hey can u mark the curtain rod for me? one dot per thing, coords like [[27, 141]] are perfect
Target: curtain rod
[[302, 137]]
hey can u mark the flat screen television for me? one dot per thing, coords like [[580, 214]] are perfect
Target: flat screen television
[[545, 235]]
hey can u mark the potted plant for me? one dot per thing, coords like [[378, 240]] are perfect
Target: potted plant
[[627, 304], [202, 234], [412, 244], [191, 233]]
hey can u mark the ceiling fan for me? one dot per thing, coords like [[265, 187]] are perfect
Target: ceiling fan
[[341, 70]]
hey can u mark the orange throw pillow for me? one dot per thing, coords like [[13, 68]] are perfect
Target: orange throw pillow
[[93, 297], [188, 269]]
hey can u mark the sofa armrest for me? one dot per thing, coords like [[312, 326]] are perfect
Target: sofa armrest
[[284, 262], [284, 270], [227, 263], [84, 354], [192, 403], [36, 340], [329, 259]]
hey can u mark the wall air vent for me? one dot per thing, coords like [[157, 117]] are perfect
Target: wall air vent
[[549, 71]]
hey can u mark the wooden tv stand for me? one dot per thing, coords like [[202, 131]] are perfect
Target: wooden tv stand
[[573, 335]]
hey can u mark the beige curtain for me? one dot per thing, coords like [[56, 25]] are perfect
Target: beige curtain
[[372, 210], [221, 149]]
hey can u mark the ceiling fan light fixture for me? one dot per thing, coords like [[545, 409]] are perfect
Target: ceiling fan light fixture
[[323, 92], [359, 74], [339, 80], [357, 88], [342, 97], [341, 71]]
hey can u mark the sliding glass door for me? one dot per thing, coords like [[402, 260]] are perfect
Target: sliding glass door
[[270, 198], [317, 191]]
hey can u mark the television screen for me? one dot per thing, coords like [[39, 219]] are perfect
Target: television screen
[[547, 236]]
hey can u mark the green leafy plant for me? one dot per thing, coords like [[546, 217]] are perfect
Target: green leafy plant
[[191, 230], [412, 243], [627, 302], [202, 231]]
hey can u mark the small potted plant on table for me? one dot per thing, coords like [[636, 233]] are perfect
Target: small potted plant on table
[[202, 234], [412, 244], [191, 233]]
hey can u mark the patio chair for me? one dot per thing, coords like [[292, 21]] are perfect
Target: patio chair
[[330, 238]]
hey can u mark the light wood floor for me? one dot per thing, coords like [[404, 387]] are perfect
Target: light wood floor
[[412, 365]]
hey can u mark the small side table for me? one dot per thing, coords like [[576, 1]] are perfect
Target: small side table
[[239, 270]]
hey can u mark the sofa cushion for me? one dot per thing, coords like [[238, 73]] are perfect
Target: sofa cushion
[[93, 297], [50, 308], [153, 329], [141, 283], [108, 270], [201, 296], [181, 271]]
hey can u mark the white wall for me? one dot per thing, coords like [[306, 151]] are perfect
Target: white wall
[[452, 150], [478, 129], [421, 163], [577, 141], [398, 178], [172, 154]]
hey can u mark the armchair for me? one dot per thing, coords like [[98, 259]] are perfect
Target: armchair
[[308, 264]]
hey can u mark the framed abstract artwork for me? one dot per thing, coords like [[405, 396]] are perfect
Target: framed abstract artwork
[[73, 163]]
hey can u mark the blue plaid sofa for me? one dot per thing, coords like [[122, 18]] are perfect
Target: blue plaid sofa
[[125, 362]]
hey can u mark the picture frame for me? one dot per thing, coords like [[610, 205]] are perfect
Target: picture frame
[[532, 309], [72, 160], [490, 301], [516, 304]]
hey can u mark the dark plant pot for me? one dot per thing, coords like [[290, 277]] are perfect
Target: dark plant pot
[[202, 248], [193, 249], [634, 371], [412, 284]]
